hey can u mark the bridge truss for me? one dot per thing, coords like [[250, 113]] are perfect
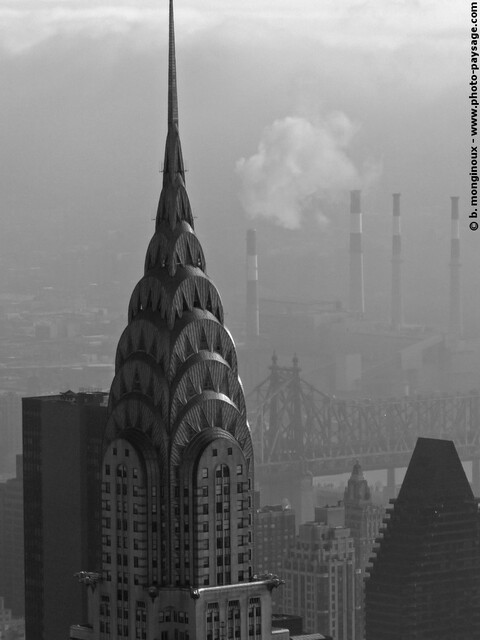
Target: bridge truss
[[297, 427]]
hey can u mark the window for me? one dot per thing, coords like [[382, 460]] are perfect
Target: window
[[229, 450], [204, 472], [214, 452], [239, 469], [205, 491], [107, 469]]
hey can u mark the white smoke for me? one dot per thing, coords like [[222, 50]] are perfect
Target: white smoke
[[299, 164]]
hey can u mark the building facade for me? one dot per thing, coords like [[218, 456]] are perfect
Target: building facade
[[10, 430], [11, 542], [177, 469], [424, 581], [319, 574], [364, 520], [274, 535], [62, 441]]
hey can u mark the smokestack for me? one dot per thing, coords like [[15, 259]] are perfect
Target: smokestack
[[356, 299], [455, 315], [397, 301], [253, 325]]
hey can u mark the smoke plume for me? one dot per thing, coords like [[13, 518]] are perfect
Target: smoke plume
[[299, 164]]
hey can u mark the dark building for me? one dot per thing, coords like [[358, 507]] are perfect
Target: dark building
[[425, 578], [364, 519], [177, 465], [62, 437], [11, 542], [294, 624], [274, 535]]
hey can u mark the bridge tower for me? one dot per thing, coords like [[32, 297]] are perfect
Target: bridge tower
[[282, 421]]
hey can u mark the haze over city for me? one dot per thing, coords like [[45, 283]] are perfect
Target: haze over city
[[239, 320], [279, 103]]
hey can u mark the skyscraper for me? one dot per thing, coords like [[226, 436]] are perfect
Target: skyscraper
[[425, 578], [364, 519], [274, 534], [177, 474], [11, 542], [62, 442], [319, 574]]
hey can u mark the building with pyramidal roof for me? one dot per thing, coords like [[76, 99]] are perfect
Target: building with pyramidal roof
[[177, 471], [364, 519], [425, 578]]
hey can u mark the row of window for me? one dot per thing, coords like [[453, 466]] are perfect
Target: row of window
[[176, 616], [122, 506], [137, 579], [223, 471], [121, 469], [122, 489]]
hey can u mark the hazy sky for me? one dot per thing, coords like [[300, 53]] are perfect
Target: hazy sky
[[284, 107]]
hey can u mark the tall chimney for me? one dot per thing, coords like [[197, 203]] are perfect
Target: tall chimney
[[397, 300], [455, 315], [253, 325], [356, 298]]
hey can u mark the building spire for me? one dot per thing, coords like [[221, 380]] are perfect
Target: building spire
[[172, 73], [172, 208]]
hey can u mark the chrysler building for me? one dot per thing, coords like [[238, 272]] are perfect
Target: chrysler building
[[177, 468]]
